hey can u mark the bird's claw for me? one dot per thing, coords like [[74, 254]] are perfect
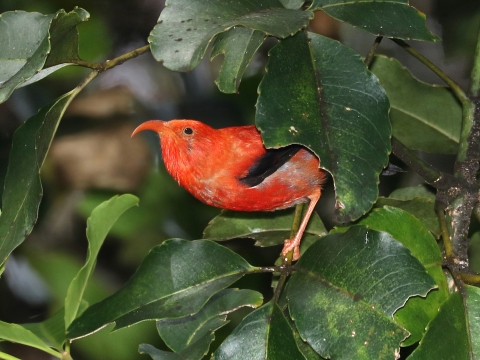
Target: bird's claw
[[289, 245]]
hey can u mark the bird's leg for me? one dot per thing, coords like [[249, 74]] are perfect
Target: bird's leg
[[294, 244]]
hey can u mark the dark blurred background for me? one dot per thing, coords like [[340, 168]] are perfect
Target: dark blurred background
[[93, 157]]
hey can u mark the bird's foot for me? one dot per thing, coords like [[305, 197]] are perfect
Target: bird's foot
[[289, 245]]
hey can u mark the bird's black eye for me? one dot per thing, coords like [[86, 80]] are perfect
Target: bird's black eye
[[188, 131]]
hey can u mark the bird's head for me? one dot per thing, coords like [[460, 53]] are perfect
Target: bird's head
[[181, 138]]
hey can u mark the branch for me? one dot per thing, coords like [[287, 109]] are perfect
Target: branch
[[114, 62]]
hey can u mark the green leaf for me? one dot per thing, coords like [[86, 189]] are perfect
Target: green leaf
[[412, 192], [31, 41], [23, 189], [175, 280], [52, 330], [267, 228], [179, 334], [98, 225], [446, 336], [412, 233], [193, 352], [472, 303], [185, 28], [390, 18], [334, 106], [424, 117], [18, 334], [423, 209], [238, 45], [346, 290], [24, 47], [263, 334], [292, 4]]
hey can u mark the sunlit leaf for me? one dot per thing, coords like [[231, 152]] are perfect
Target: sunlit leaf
[[317, 92], [424, 117], [263, 334], [446, 336], [18, 334], [170, 283], [346, 290], [267, 228], [238, 45], [185, 28], [472, 303], [98, 225], [181, 333], [413, 234], [391, 18]]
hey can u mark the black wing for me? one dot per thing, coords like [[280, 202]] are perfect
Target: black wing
[[268, 164]]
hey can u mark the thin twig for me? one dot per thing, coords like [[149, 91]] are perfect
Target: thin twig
[[475, 85], [114, 62], [373, 50]]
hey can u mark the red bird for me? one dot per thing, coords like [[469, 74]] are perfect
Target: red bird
[[230, 168]]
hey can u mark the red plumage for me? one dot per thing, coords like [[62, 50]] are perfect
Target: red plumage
[[231, 169]]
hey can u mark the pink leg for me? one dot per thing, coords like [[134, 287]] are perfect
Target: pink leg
[[294, 244]]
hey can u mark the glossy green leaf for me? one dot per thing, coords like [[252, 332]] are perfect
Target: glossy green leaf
[[472, 303], [31, 41], [317, 92], [412, 192], [346, 290], [446, 336], [292, 4], [18, 334], [423, 209], [171, 282], [181, 334], [185, 28], [263, 334], [390, 18], [413, 234], [52, 330], [24, 47], [98, 225], [424, 117], [23, 189], [193, 352], [238, 45], [267, 228], [7, 356]]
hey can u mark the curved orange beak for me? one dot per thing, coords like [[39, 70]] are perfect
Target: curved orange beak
[[154, 125]]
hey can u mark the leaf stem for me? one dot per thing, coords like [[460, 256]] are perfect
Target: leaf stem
[[475, 84], [449, 254], [422, 168], [287, 261], [373, 50], [108, 64]]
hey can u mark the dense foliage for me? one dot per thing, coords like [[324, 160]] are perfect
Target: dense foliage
[[376, 282]]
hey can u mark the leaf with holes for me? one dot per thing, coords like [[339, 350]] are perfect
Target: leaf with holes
[[317, 92], [171, 282], [347, 288], [390, 18], [185, 27]]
